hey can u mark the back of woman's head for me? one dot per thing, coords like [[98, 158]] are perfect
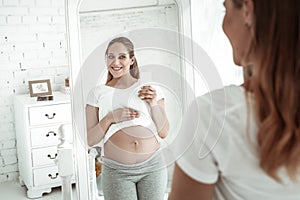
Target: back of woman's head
[[134, 70], [276, 85]]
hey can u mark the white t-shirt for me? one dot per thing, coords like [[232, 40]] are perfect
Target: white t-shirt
[[107, 99], [224, 153]]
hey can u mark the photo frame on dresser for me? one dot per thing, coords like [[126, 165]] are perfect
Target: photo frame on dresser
[[40, 88]]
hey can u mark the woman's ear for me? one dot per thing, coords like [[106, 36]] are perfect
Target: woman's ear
[[248, 9], [132, 60]]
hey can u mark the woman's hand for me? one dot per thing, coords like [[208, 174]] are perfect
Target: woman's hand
[[148, 94], [123, 114], [158, 114]]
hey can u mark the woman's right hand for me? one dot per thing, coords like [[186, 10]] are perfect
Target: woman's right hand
[[123, 114]]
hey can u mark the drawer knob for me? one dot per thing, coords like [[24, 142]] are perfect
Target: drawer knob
[[50, 117], [53, 177], [49, 156], [51, 132]]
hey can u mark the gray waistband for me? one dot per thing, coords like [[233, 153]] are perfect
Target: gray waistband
[[155, 162]]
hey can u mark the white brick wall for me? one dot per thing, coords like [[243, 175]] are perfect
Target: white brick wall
[[32, 45], [8, 160], [10, 2]]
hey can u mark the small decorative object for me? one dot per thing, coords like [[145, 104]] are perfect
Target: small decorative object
[[98, 167], [67, 82], [66, 88], [40, 88]]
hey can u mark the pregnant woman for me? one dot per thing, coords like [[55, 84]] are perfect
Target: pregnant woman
[[127, 119]]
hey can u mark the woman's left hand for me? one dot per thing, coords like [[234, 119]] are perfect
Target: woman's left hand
[[148, 94]]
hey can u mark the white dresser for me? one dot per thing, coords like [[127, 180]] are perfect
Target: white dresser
[[37, 124]]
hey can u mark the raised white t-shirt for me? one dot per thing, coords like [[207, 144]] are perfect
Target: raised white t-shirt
[[108, 99], [223, 152]]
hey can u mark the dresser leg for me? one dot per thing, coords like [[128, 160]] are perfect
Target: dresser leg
[[21, 181], [36, 193]]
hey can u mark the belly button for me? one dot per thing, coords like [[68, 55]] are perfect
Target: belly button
[[136, 142]]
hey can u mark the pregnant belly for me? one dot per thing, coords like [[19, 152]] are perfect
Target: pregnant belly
[[131, 145]]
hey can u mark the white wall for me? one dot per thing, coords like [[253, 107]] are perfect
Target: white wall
[[32, 46], [207, 18]]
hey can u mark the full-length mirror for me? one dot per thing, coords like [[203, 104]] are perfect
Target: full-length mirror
[[160, 33]]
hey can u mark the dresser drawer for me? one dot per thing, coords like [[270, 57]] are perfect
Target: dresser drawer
[[44, 136], [44, 176], [50, 114], [44, 156]]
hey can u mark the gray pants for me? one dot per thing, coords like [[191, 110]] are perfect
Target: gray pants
[[143, 181]]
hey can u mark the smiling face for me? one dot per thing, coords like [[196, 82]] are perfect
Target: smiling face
[[237, 27], [118, 60]]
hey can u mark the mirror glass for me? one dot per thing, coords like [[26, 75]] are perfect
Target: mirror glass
[[156, 29], [152, 26]]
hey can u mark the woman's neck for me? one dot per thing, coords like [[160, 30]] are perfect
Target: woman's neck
[[124, 81]]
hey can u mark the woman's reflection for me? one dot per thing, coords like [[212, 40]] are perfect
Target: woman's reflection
[[127, 119]]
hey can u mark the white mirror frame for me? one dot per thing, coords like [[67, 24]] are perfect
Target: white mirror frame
[[75, 63]]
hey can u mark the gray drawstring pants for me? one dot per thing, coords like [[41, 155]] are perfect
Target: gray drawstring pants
[[142, 181]]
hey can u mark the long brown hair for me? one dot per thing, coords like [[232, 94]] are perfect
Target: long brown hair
[[276, 85], [134, 69]]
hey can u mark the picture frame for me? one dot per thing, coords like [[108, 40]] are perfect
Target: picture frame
[[40, 88]]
